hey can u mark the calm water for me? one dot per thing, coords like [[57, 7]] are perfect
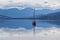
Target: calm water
[[28, 23]]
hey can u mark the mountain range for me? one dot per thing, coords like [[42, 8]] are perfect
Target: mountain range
[[44, 14], [51, 16]]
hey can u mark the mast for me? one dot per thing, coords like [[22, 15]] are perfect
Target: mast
[[34, 22]]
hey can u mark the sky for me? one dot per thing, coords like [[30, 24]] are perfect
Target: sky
[[38, 4], [23, 29]]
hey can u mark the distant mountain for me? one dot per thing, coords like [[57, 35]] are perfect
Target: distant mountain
[[51, 16], [2, 16], [25, 13], [16, 13]]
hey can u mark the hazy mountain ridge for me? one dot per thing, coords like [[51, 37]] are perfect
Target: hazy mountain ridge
[[17, 13], [26, 13], [52, 16]]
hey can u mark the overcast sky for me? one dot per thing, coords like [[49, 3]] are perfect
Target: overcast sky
[[20, 4]]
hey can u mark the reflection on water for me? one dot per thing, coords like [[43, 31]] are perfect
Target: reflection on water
[[48, 23], [28, 23]]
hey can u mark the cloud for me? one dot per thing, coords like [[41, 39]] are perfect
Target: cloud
[[24, 34], [38, 4]]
